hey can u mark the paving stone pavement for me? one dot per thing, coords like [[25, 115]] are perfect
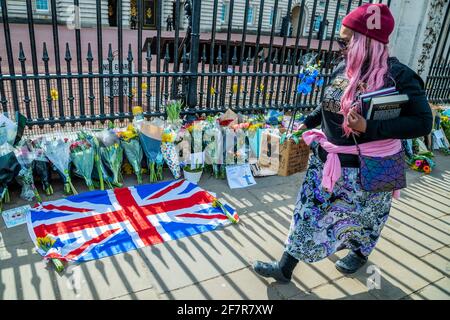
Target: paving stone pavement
[[412, 258]]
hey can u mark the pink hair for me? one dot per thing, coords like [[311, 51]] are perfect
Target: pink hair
[[363, 51]]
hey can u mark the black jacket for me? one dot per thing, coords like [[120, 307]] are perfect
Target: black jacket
[[415, 119]]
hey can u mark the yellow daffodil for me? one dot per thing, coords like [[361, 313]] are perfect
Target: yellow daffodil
[[133, 91], [144, 86], [136, 110], [128, 134], [261, 87], [167, 137], [54, 94], [212, 91]]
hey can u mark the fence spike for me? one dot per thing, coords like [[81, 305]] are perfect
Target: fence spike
[[21, 53], [45, 53], [68, 56], [219, 56], [204, 54], [89, 53], [130, 54], [167, 56], [234, 59], [148, 57], [110, 53]]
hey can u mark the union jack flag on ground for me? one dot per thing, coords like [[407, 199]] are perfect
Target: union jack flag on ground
[[97, 224]]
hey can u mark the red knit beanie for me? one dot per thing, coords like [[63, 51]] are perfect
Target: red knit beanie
[[372, 20]]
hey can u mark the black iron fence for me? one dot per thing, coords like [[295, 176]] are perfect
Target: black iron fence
[[112, 69], [438, 80]]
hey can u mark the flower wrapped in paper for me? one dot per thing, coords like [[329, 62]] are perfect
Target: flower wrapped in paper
[[25, 157], [82, 154], [150, 136], [129, 140], [170, 153], [57, 150]]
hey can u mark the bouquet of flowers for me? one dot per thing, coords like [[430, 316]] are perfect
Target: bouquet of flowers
[[57, 150], [150, 136], [45, 244], [421, 164], [113, 157], [9, 169], [10, 134], [129, 140], [111, 153], [99, 173], [41, 165], [445, 123], [169, 152], [254, 139], [173, 110], [309, 75], [213, 146], [82, 154], [25, 157]]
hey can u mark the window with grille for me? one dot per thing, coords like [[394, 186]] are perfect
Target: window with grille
[[42, 5]]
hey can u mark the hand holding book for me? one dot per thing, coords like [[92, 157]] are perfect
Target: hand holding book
[[356, 121]]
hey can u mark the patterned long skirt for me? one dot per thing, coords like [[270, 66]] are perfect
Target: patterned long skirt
[[348, 218]]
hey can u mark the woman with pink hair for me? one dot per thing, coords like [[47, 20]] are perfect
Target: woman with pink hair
[[345, 216]]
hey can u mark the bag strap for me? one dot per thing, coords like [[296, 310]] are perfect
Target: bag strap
[[356, 144]]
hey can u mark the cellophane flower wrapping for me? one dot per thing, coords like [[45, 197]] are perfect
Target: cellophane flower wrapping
[[129, 140], [82, 154], [213, 146], [100, 172], [150, 136], [9, 166], [112, 156], [57, 150], [25, 157], [170, 153], [41, 166]]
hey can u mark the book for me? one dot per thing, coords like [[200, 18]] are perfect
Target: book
[[367, 97], [386, 107], [382, 92]]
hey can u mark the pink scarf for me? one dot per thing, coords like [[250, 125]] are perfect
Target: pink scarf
[[332, 167]]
